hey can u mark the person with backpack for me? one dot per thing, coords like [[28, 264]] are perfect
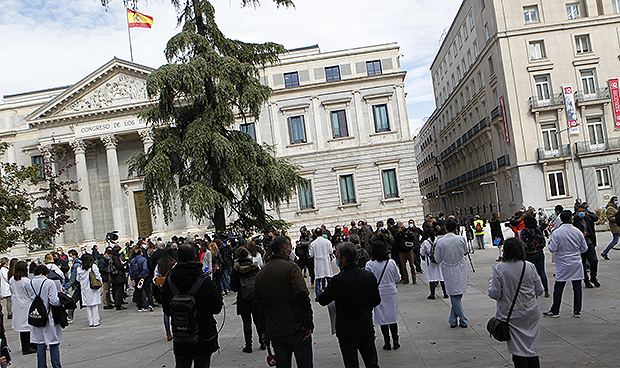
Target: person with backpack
[[20, 283], [242, 281], [433, 270], [191, 299], [43, 331], [162, 270], [72, 283], [139, 275], [362, 255], [479, 231]]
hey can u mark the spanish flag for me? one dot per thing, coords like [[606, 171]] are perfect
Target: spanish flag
[[138, 20]]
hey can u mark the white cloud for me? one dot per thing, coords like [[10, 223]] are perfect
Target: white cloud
[[53, 43]]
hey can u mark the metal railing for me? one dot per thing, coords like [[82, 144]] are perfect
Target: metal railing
[[551, 100], [503, 161], [598, 94], [609, 144], [560, 151], [465, 137], [472, 174], [496, 113]]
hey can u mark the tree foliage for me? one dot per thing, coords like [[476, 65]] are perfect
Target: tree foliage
[[208, 83]]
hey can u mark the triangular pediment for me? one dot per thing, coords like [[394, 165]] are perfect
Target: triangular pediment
[[117, 85]]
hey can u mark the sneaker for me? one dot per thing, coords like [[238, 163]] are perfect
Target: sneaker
[[141, 310], [588, 284], [414, 282], [430, 297], [605, 256], [406, 282], [596, 283], [546, 294], [387, 346], [247, 349], [108, 307], [69, 320], [463, 325], [169, 337], [576, 314], [551, 314], [97, 325], [151, 309]]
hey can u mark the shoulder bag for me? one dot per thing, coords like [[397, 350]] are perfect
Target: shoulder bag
[[382, 272], [501, 330], [95, 284]]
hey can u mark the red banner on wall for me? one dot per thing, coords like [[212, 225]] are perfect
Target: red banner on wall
[[501, 106], [614, 91]]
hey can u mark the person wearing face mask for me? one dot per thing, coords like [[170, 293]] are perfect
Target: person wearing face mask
[[584, 221], [611, 212]]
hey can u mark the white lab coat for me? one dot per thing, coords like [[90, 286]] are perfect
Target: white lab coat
[[51, 334], [566, 244], [21, 303], [432, 270], [90, 297], [5, 288], [321, 249], [386, 312], [258, 260], [525, 319], [450, 254]]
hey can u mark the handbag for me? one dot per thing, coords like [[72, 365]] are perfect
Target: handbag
[[500, 330], [95, 284]]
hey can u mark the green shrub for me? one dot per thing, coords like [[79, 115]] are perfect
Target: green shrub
[[602, 216]]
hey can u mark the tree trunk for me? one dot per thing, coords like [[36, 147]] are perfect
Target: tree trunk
[[220, 219]]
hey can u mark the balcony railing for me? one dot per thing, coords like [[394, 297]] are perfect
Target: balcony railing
[[465, 137], [472, 174], [598, 94], [551, 100], [496, 113], [503, 161], [609, 144], [547, 154]]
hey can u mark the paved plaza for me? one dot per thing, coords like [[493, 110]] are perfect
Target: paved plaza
[[132, 339]]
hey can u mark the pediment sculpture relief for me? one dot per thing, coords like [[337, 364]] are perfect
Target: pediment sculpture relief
[[119, 90]]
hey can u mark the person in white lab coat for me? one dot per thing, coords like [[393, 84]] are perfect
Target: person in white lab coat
[[322, 251], [90, 298], [450, 254], [433, 269], [567, 243], [20, 283], [5, 289], [387, 275], [524, 343], [51, 334]]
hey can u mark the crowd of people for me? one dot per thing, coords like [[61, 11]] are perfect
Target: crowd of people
[[188, 276]]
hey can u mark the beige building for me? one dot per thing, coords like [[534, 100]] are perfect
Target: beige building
[[340, 116], [520, 55]]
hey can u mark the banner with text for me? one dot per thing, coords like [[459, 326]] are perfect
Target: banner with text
[[501, 104], [614, 91], [571, 109]]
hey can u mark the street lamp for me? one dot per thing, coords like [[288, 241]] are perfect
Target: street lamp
[[499, 212]]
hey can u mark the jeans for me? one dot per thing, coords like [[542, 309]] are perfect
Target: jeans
[[167, 323], [367, 349], [185, 361], [457, 311], [558, 289], [321, 284], [247, 329], [285, 346], [404, 258], [147, 292], [613, 243], [538, 259], [225, 280], [54, 356], [417, 259], [480, 240]]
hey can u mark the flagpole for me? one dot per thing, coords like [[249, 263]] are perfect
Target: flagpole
[[128, 30]]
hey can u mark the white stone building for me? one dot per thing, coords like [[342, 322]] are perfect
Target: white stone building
[[520, 55], [340, 116]]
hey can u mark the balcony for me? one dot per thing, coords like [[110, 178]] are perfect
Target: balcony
[[561, 151], [472, 174], [503, 161], [465, 137], [597, 95], [551, 100], [496, 113], [609, 144]]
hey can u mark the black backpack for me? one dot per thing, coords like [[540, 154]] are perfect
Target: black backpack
[[362, 257], [184, 312], [37, 314], [618, 218], [64, 265], [247, 285]]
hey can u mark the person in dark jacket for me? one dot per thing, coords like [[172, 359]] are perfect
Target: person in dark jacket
[[139, 273], [584, 221], [208, 302], [356, 294], [72, 283], [302, 251], [283, 306], [102, 262], [242, 281], [117, 273]]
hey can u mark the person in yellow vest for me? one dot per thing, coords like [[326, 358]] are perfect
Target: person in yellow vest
[[479, 231]]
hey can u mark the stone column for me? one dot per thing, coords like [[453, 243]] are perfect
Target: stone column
[[88, 229], [46, 151], [116, 191], [148, 137]]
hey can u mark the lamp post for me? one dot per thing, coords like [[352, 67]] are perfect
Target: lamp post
[[499, 212]]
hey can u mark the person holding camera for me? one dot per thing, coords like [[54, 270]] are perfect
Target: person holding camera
[[384, 235], [404, 242], [302, 251]]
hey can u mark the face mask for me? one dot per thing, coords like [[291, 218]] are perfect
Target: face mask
[[410, 226], [616, 203], [360, 228], [582, 214]]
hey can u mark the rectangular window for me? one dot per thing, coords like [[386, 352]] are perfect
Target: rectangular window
[[616, 5], [476, 47], [556, 184], [572, 11], [530, 13], [491, 69], [373, 67], [595, 131], [469, 59], [248, 129], [332, 73], [471, 20], [38, 161], [42, 222], [602, 177], [454, 49], [297, 129], [382, 124], [347, 189], [465, 31], [390, 187], [306, 201], [537, 50], [460, 38], [487, 32], [587, 82], [449, 56], [550, 136], [543, 92], [583, 44], [291, 80], [339, 124]]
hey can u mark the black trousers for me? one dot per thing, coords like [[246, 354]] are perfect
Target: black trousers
[[185, 361], [525, 362], [367, 349], [307, 262], [118, 290], [590, 256]]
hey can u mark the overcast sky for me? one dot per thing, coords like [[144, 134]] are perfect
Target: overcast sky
[[52, 43]]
